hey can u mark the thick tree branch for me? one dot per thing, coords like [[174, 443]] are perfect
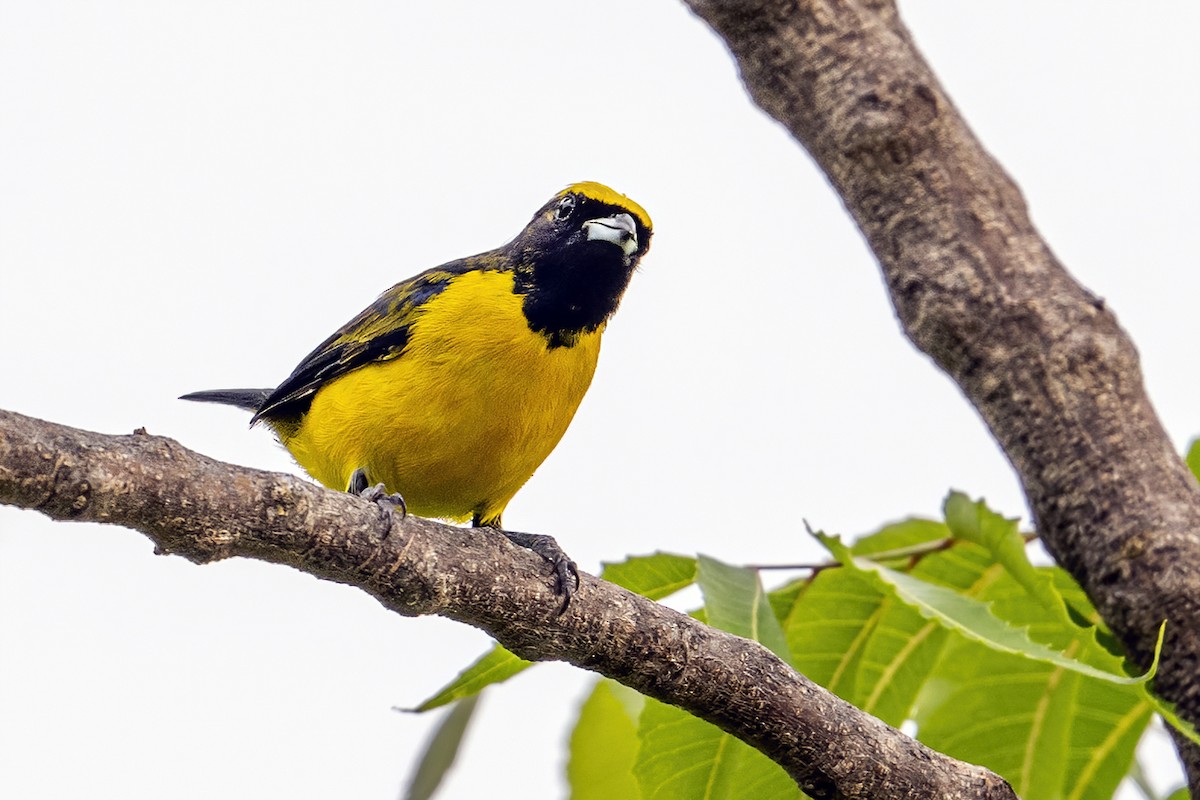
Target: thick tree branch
[[205, 510], [975, 287]]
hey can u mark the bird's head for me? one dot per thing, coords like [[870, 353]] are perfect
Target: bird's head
[[575, 257]]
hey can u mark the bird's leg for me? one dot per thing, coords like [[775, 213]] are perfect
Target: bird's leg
[[566, 574], [377, 494]]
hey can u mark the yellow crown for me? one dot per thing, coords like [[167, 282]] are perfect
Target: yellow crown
[[603, 194]]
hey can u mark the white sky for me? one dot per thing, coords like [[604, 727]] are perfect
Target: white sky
[[193, 195]]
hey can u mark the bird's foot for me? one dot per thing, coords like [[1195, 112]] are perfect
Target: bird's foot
[[388, 503], [566, 574], [378, 494]]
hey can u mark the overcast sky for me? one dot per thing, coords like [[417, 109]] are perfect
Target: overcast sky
[[193, 195]]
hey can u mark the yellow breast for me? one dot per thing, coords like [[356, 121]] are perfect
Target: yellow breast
[[460, 421]]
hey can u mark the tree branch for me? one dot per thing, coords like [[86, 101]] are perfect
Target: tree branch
[[205, 510], [975, 287]]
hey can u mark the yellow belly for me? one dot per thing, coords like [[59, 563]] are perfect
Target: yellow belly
[[462, 419]]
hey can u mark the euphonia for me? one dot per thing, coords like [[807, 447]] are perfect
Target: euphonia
[[453, 387]]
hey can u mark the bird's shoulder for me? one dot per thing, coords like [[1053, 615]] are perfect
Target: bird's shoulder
[[380, 332]]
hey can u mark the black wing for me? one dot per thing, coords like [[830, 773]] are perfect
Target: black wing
[[379, 333]]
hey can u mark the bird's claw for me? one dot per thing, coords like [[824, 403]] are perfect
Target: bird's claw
[[378, 495], [388, 503], [566, 574]]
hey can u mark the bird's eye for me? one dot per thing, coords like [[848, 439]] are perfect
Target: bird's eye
[[565, 208]]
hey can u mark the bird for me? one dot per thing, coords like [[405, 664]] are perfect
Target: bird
[[444, 395]]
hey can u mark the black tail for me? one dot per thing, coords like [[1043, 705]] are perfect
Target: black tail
[[249, 399]]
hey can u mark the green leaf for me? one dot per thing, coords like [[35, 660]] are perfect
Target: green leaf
[[442, 750], [1001, 710], [494, 666], [734, 601], [850, 636], [683, 757], [965, 615], [1193, 457], [975, 522], [604, 744], [1051, 732], [655, 576], [896, 540], [785, 598], [1107, 721], [829, 626], [1106, 727], [902, 650]]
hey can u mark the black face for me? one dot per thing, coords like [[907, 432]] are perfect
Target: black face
[[573, 280]]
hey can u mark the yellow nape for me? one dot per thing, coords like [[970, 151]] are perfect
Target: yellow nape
[[461, 421], [603, 194]]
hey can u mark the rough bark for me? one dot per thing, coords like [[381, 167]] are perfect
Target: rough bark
[[205, 510], [976, 288]]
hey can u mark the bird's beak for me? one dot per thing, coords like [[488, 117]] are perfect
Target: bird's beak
[[618, 229]]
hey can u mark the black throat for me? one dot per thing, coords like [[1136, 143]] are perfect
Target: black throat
[[573, 291]]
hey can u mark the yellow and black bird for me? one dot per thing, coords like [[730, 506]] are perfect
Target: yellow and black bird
[[454, 386]]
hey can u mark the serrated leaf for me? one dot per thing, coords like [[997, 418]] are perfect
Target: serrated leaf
[[895, 663], [1107, 721], [683, 758], [442, 750], [654, 576], [734, 601], [904, 646], [975, 522], [1105, 731], [604, 744], [1051, 732], [895, 539], [494, 666], [966, 616], [848, 635], [829, 626], [1001, 710], [785, 598]]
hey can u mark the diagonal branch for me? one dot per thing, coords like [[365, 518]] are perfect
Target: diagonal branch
[[205, 510], [977, 289]]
